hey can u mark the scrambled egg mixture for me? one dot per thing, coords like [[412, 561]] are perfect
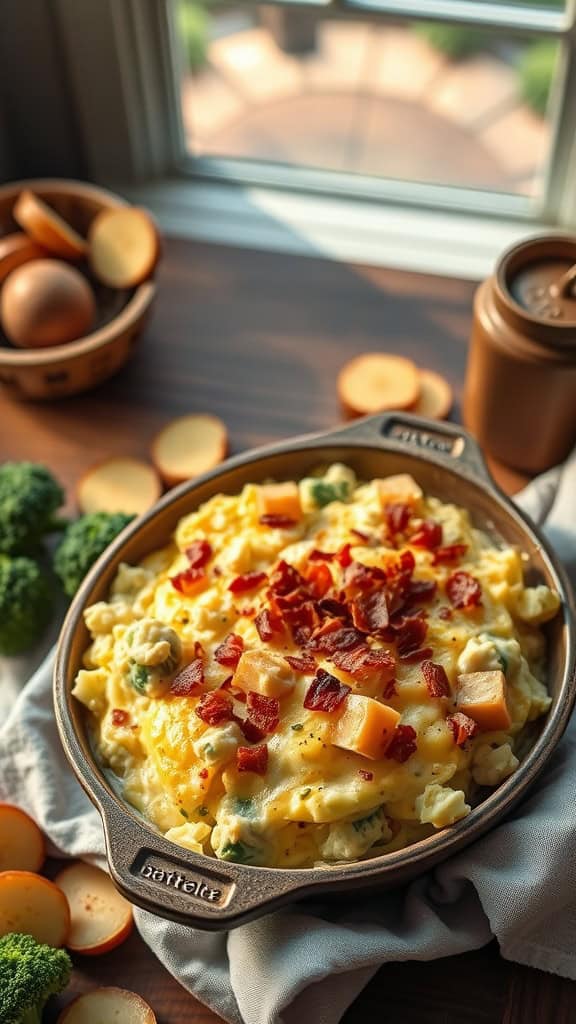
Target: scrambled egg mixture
[[317, 672]]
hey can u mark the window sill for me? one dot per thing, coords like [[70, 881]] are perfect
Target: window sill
[[346, 230]]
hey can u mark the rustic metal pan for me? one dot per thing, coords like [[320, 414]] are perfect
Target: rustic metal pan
[[212, 894]]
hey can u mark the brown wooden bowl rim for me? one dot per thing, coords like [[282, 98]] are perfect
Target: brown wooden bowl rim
[[136, 305]]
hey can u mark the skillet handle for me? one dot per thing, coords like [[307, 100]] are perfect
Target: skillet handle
[[177, 884], [447, 444]]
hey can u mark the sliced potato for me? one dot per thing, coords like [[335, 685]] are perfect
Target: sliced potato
[[119, 484], [16, 249], [189, 446], [375, 382], [34, 906], [108, 1006], [124, 246], [47, 228], [101, 918], [436, 396], [21, 843]]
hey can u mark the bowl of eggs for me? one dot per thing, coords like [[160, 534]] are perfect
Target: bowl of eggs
[[76, 266]]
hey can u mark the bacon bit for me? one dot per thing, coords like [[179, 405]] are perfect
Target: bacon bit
[[413, 657], [445, 613], [358, 576], [198, 554], [367, 776], [364, 537], [248, 581], [397, 516], [463, 727], [364, 663], [325, 693], [320, 580], [428, 535], [343, 556], [263, 712], [463, 590], [390, 690], [370, 612], [305, 663], [120, 717], [189, 581], [246, 613], [215, 707], [250, 731], [301, 619], [321, 556], [203, 773], [410, 633], [335, 609], [403, 744], [277, 521], [217, 570], [449, 554], [436, 679], [267, 624], [252, 759], [285, 579], [334, 636], [189, 680], [420, 592], [228, 653]]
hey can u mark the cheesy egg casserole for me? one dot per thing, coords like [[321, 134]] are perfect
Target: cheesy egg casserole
[[315, 672]]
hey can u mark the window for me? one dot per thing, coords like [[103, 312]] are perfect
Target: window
[[475, 108]]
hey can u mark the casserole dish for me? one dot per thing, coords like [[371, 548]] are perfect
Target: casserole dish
[[206, 893]]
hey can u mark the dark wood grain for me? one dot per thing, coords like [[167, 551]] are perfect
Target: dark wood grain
[[258, 339]]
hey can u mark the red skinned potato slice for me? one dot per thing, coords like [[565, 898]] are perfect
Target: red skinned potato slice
[[101, 918], [120, 484], [436, 396], [375, 382], [189, 446], [34, 906], [15, 250], [124, 246], [21, 843], [108, 1006], [46, 227]]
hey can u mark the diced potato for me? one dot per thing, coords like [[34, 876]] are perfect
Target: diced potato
[[482, 696], [440, 805], [280, 500], [490, 765], [401, 487], [537, 604], [191, 835], [365, 726], [264, 672], [90, 689]]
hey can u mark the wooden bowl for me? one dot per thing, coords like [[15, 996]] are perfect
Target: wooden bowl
[[61, 370]]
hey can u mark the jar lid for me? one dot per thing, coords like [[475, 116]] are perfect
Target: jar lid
[[532, 291]]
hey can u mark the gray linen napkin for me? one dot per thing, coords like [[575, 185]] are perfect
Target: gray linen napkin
[[309, 963]]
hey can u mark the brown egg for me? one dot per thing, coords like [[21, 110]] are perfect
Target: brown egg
[[46, 302]]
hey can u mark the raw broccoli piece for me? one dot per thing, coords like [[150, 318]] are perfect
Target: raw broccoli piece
[[26, 604], [83, 542], [29, 497], [29, 973]]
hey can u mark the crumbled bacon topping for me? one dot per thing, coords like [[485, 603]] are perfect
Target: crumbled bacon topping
[[320, 580], [189, 581], [366, 663], [277, 521], [247, 581], [285, 579], [267, 625], [215, 707], [252, 759], [189, 679], [333, 635], [397, 516], [198, 554], [229, 652], [403, 744], [305, 663], [321, 556], [120, 717], [450, 553], [370, 612], [325, 693], [436, 679], [463, 727], [263, 712], [343, 556], [463, 590], [428, 535], [420, 592]]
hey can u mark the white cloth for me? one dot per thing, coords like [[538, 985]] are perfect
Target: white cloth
[[518, 883]]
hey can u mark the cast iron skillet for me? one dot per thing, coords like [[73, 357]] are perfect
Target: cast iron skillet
[[211, 894]]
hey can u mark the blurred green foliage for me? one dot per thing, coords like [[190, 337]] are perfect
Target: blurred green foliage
[[536, 73], [192, 24]]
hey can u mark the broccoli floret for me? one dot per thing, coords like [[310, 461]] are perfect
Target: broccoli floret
[[30, 972], [29, 497], [26, 604], [83, 542]]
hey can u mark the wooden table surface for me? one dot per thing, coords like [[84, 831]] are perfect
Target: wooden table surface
[[258, 339]]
